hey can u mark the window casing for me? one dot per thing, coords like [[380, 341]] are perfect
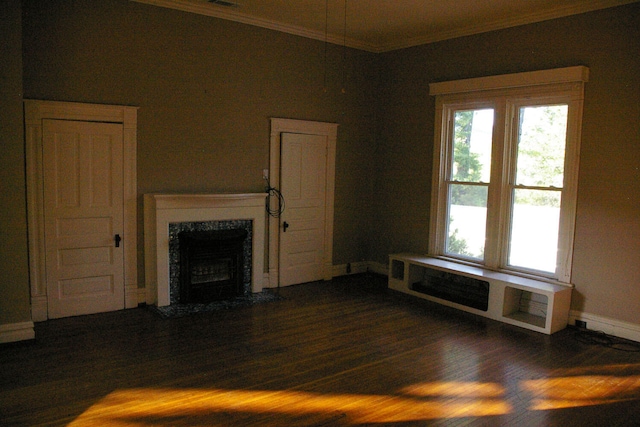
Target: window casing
[[505, 171]]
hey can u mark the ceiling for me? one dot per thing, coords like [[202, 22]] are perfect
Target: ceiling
[[384, 25]]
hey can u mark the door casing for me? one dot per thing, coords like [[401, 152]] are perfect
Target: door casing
[[35, 112], [330, 130]]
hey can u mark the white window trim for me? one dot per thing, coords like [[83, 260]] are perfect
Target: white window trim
[[504, 93]]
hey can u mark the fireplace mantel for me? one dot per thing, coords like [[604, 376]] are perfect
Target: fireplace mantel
[[160, 210]]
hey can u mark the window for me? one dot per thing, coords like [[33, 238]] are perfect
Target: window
[[505, 171]]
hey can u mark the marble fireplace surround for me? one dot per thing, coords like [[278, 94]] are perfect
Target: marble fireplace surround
[[160, 210]]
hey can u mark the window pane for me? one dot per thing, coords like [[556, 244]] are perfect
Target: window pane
[[467, 220], [534, 229], [472, 145], [541, 145]]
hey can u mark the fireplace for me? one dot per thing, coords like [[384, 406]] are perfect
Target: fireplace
[[211, 265], [164, 212]]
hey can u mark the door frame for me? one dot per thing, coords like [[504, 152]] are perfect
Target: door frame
[[35, 111], [330, 131]]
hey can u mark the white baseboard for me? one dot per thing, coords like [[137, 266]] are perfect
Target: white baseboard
[[337, 271], [351, 268], [360, 267], [617, 328], [379, 268], [13, 332]]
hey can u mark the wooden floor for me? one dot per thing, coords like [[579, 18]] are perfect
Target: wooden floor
[[341, 353]]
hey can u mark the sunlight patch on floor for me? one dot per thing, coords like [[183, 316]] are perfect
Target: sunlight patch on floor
[[418, 402], [584, 390], [455, 388], [140, 404]]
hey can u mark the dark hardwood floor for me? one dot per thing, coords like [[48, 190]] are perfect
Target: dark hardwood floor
[[342, 353]]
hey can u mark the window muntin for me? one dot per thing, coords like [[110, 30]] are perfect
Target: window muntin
[[515, 183]]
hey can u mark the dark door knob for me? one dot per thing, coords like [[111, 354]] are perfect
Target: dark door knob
[[117, 239], [285, 225]]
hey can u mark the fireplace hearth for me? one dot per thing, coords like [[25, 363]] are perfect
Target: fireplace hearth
[[211, 265]]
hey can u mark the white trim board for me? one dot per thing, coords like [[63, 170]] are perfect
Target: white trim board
[[579, 74], [13, 332], [616, 328]]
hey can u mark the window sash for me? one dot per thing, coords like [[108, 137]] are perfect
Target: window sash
[[501, 188]]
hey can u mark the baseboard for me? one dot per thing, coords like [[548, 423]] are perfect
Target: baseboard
[[13, 332], [360, 267], [337, 271], [379, 268], [609, 326], [350, 268]]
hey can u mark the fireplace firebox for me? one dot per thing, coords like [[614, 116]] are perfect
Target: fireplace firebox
[[211, 265]]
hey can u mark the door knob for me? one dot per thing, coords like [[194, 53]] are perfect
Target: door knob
[[285, 225], [117, 239]]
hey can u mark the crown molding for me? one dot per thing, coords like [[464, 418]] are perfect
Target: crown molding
[[232, 14], [500, 24]]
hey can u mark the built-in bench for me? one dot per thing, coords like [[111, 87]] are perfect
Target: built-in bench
[[532, 304]]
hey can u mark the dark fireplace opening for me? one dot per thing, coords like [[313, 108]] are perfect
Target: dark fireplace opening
[[211, 265]]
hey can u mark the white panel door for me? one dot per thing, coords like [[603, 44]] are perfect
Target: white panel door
[[302, 224], [83, 209]]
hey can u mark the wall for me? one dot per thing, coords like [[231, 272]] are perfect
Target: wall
[[606, 270], [14, 262], [206, 89]]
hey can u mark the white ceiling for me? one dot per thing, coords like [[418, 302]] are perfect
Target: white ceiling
[[384, 25]]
